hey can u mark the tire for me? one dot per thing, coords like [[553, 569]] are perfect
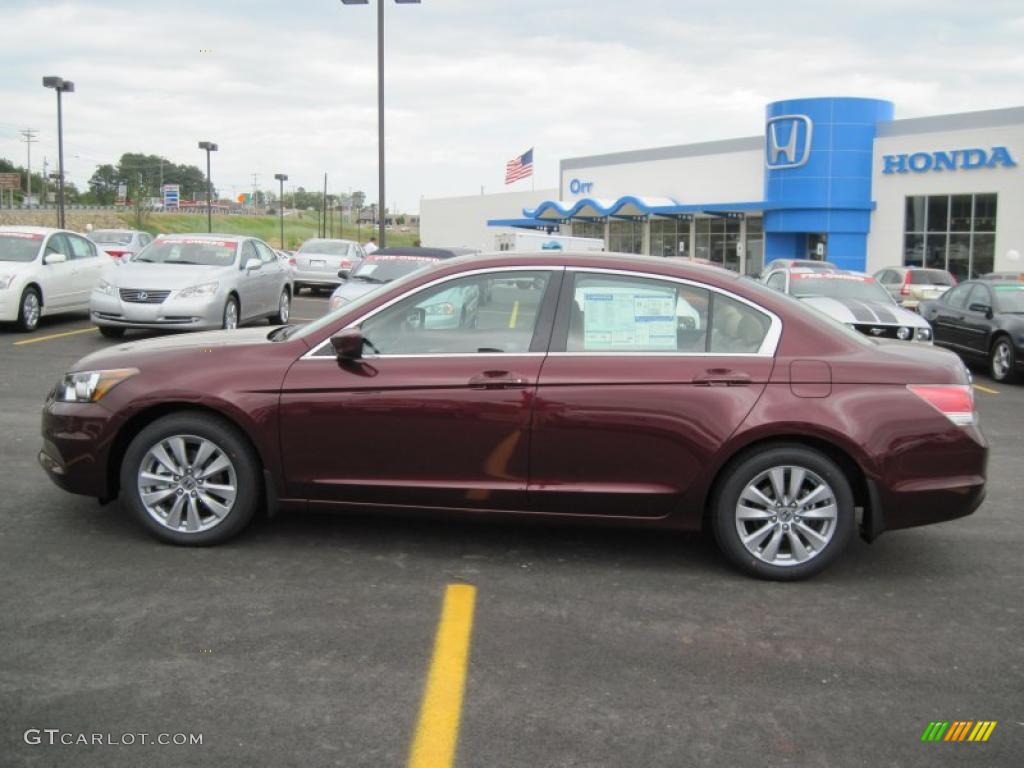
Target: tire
[[230, 317], [284, 309], [1002, 361], [819, 539], [110, 332], [201, 519], [30, 308]]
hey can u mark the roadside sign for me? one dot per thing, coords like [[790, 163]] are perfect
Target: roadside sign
[[172, 195], [10, 181]]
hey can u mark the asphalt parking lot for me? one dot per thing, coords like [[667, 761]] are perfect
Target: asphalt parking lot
[[308, 640]]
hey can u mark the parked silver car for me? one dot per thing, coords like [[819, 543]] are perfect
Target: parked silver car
[[909, 286], [193, 282], [854, 299], [120, 244], [318, 262]]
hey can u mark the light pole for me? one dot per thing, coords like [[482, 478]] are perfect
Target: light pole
[[282, 178], [380, 106], [209, 146], [60, 85]]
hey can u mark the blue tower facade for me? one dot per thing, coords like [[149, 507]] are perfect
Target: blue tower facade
[[817, 184]]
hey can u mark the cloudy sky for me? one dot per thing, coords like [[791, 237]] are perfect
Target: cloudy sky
[[291, 86]]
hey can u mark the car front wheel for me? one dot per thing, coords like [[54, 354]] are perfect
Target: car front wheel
[[191, 479], [29, 310], [230, 320], [1003, 360], [783, 513]]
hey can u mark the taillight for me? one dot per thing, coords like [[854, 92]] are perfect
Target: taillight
[[292, 262], [117, 254], [955, 401], [905, 290]]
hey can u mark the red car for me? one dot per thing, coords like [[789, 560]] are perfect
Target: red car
[[617, 388]]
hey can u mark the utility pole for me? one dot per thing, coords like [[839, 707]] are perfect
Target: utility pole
[[30, 139], [324, 206]]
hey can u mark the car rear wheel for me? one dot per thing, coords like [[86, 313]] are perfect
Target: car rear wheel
[[284, 309], [110, 332], [191, 479], [1003, 360], [784, 513], [230, 321], [29, 310]]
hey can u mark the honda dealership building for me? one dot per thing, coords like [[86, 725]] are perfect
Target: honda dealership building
[[833, 178]]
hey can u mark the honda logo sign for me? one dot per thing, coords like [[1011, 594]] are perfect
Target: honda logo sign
[[788, 141]]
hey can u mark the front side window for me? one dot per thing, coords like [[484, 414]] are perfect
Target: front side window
[[612, 313], [266, 255], [957, 297], [777, 281], [979, 297], [488, 313], [58, 244]]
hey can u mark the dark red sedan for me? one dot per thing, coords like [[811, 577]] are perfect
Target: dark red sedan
[[586, 387]]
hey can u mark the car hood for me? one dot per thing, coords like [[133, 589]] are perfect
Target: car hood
[[18, 267], [131, 353], [856, 311], [136, 274], [354, 289]]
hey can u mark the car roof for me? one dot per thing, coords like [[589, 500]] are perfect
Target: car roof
[[423, 253], [205, 236], [32, 230], [329, 240]]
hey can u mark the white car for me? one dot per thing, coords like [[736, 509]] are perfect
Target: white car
[[120, 244], [45, 271]]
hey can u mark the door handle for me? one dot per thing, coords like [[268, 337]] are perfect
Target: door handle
[[722, 377], [498, 380]]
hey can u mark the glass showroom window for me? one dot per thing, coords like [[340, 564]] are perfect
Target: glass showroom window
[[626, 236], [670, 237], [588, 228], [954, 232]]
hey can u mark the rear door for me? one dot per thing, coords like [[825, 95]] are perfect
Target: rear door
[[87, 265], [58, 280], [645, 379]]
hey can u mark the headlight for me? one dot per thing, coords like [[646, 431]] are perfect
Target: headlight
[[445, 308], [206, 289], [337, 302], [90, 386], [903, 333], [6, 280], [923, 334], [104, 287]]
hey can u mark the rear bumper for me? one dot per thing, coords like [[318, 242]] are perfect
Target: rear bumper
[[316, 277]]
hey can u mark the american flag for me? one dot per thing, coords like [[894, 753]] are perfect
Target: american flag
[[519, 167]]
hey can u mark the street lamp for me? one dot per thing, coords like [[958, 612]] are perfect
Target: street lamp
[[380, 106], [209, 146], [60, 85], [282, 178]]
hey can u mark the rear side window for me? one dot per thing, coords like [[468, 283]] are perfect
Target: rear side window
[[930, 277], [736, 328], [80, 247]]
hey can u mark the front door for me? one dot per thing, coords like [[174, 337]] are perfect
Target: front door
[[645, 380], [976, 325], [250, 283], [438, 412]]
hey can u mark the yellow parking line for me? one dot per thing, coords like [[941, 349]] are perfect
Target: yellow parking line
[[986, 390], [437, 731], [515, 315], [54, 336]]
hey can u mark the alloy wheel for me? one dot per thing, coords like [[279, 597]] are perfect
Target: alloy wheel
[[30, 310], [231, 315], [786, 515], [187, 483], [284, 307], [1001, 360]]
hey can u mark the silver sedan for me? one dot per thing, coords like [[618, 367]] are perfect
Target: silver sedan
[[318, 261], [120, 244], [194, 282]]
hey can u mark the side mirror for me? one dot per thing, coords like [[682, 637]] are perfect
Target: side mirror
[[343, 274], [54, 258], [348, 344], [252, 264], [983, 308]]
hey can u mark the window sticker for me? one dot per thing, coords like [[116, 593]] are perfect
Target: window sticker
[[629, 318]]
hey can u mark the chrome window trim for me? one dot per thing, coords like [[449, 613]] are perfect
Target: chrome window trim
[[769, 345], [312, 354]]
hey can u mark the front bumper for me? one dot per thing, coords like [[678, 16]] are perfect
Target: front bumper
[[76, 447], [202, 313]]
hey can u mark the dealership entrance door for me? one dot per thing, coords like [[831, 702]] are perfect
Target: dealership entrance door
[[817, 246]]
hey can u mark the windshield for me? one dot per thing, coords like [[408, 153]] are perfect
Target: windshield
[[201, 251], [18, 246], [930, 277], [110, 236], [326, 247], [384, 269], [1009, 298], [837, 286]]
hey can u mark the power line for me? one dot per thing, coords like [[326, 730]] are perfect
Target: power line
[[29, 135]]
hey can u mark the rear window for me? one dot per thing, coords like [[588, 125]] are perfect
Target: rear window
[[19, 246], [326, 247], [114, 238], [930, 277]]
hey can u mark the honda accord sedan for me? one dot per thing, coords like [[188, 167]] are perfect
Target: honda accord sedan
[[586, 397]]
